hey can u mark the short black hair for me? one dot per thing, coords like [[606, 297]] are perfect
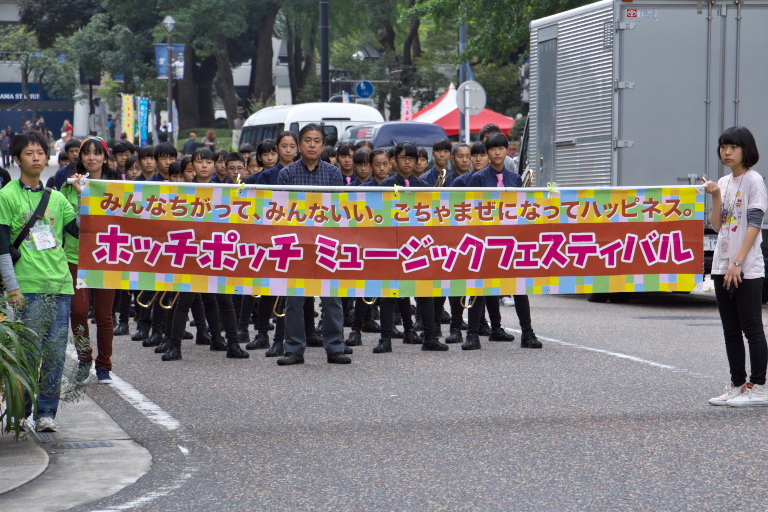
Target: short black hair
[[146, 152], [742, 137], [364, 144], [392, 151], [202, 154], [234, 157], [245, 148], [496, 140], [184, 162], [220, 154], [313, 127], [346, 149], [487, 130], [24, 139], [407, 149], [325, 157], [330, 151], [423, 153], [460, 145], [265, 146], [122, 146], [287, 134], [132, 160], [478, 148], [72, 143], [442, 145], [362, 156], [165, 149], [175, 168], [63, 156], [377, 152]]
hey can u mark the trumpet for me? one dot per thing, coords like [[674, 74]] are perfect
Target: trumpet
[[138, 299], [441, 179], [464, 303], [170, 304], [528, 177]]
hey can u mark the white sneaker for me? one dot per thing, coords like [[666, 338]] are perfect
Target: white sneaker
[[45, 425], [730, 393], [508, 301], [756, 396]]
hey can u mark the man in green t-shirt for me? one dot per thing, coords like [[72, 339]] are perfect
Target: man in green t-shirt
[[39, 284]]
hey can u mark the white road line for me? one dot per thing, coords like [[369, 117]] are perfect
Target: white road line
[[620, 356]]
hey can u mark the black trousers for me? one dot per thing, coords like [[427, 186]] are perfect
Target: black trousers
[[743, 313], [481, 303], [386, 311], [218, 308]]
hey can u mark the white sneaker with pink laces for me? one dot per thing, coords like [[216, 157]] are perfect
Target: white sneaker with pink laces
[[756, 396], [731, 392]]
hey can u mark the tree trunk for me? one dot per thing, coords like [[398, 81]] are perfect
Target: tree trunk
[[386, 36], [36, 104], [292, 42], [205, 73], [224, 82], [187, 94], [24, 92], [260, 86], [409, 53]]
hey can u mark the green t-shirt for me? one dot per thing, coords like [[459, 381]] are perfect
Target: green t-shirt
[[38, 271], [71, 244]]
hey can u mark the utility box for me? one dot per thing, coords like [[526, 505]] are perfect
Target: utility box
[[636, 93]]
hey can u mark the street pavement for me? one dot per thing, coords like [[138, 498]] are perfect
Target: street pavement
[[611, 414]]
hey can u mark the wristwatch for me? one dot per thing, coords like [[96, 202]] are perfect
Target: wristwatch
[[737, 263]]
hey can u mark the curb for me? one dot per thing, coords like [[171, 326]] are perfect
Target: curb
[[20, 461]]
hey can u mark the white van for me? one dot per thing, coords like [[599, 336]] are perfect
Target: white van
[[268, 122]]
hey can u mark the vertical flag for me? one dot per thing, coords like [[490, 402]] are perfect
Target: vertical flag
[[153, 121], [143, 122], [406, 109], [129, 116], [175, 122]]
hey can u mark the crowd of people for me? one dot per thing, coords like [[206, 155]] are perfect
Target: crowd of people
[[46, 271]]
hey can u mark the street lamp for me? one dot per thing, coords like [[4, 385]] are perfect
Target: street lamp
[[169, 23]]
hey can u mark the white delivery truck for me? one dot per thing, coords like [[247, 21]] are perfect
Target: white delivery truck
[[636, 93]]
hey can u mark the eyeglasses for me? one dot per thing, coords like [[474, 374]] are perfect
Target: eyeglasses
[[236, 169], [406, 159]]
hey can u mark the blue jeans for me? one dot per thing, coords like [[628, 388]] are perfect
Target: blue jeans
[[48, 316]]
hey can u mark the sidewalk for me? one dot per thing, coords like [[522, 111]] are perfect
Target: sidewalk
[[75, 465]]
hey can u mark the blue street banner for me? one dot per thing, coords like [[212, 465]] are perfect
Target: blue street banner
[[153, 116], [175, 118], [143, 121], [176, 61]]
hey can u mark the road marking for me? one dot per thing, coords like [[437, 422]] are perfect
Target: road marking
[[620, 355]]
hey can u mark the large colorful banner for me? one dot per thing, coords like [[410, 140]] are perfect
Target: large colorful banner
[[382, 243], [143, 121], [129, 117]]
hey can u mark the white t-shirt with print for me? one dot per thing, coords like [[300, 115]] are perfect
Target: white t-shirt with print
[[740, 194]]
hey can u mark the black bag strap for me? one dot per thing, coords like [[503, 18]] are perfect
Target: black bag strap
[[39, 214]]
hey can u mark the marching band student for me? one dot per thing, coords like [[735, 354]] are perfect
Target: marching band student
[[202, 161], [379, 167], [362, 160], [393, 161], [132, 168], [187, 170], [266, 153], [345, 161], [245, 150], [147, 163], [364, 144], [739, 201], [311, 171], [422, 163], [406, 154], [219, 157], [122, 302], [165, 155], [441, 152], [496, 175], [174, 171], [40, 281], [331, 152], [92, 160], [121, 150], [287, 146], [252, 167]]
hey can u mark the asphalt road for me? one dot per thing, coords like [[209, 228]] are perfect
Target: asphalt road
[[611, 415]]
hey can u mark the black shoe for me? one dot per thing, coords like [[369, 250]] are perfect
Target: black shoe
[[412, 338], [163, 347], [122, 330], [354, 340], [397, 333], [385, 345], [192, 323], [464, 325], [188, 336], [314, 340], [433, 345], [218, 344], [260, 342], [140, 335], [173, 354], [484, 329], [270, 326], [455, 336], [371, 326], [445, 317], [291, 358], [530, 341], [348, 350], [235, 352], [500, 335], [243, 336], [338, 358], [153, 340], [275, 350], [202, 338], [472, 343], [418, 325]]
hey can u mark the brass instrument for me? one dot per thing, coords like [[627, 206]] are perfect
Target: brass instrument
[[274, 308], [138, 299], [471, 302], [170, 304], [370, 303], [528, 177], [441, 179]]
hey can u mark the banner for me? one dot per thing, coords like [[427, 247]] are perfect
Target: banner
[[177, 61], [153, 121], [406, 109], [143, 122], [430, 242], [129, 117]]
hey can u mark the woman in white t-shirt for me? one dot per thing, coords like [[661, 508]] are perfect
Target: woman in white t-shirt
[[739, 202]]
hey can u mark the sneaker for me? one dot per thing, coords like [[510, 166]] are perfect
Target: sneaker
[[45, 424], [730, 392], [755, 396], [103, 375], [507, 301]]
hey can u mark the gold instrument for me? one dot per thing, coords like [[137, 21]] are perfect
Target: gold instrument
[[441, 179], [274, 308], [370, 303], [138, 299], [170, 304], [465, 305]]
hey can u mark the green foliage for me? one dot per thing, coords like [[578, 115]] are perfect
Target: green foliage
[[502, 87], [19, 371]]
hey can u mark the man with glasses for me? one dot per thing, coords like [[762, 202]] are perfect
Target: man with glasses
[[311, 171], [72, 149]]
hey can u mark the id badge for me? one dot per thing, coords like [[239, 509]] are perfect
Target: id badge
[[43, 237]]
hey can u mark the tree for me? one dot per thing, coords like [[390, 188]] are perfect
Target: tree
[[49, 22]]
